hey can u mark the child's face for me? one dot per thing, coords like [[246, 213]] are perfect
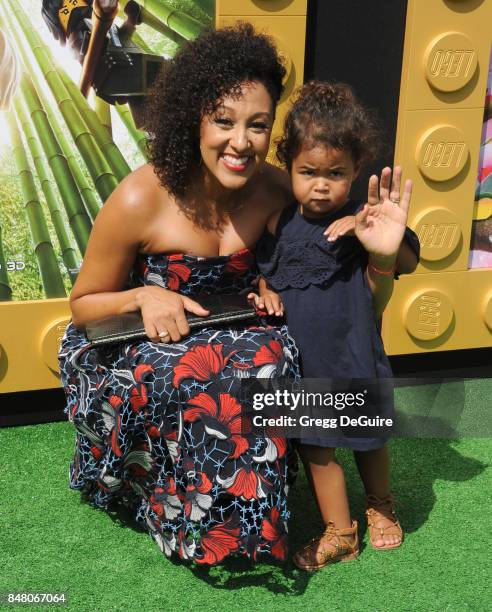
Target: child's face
[[321, 179]]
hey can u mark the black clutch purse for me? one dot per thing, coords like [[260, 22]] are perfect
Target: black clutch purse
[[226, 308]]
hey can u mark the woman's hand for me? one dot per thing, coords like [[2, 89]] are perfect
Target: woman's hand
[[268, 300], [380, 225], [163, 313], [341, 227]]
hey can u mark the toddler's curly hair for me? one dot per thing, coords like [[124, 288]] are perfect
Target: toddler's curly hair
[[193, 84], [330, 115]]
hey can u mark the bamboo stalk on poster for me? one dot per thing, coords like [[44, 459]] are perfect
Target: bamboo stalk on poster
[[67, 248], [78, 218], [43, 249]]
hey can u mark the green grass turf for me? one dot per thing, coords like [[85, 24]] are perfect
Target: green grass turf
[[50, 541]]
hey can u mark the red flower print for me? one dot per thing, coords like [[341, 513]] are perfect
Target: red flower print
[[275, 448], [245, 483], [196, 501], [165, 502], [138, 394], [223, 423], [115, 401], [240, 262], [141, 370], [274, 531], [241, 366], [219, 542], [96, 452], [280, 445], [177, 272], [269, 353], [138, 398], [114, 438], [153, 431], [201, 363], [74, 410]]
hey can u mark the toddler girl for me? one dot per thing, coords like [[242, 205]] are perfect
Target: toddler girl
[[334, 284]]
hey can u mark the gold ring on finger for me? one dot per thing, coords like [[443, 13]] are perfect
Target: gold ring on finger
[[395, 200], [163, 334]]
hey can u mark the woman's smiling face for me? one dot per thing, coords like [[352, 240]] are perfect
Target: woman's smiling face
[[234, 140]]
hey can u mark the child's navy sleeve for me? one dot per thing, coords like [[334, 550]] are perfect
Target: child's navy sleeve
[[413, 242]]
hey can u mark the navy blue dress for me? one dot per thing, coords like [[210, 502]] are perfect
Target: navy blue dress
[[328, 302]]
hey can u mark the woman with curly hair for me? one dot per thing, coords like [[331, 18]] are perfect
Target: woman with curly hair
[[159, 421]]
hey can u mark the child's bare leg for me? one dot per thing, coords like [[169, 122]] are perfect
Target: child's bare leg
[[374, 470], [328, 483]]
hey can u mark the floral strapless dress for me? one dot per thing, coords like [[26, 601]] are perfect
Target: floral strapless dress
[[159, 425]]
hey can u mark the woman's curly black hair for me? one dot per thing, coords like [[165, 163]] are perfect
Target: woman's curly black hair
[[193, 84], [329, 114]]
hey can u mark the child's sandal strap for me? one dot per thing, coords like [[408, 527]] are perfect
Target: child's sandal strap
[[341, 548], [382, 509]]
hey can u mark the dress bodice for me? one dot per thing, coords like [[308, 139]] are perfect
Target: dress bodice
[[192, 275]]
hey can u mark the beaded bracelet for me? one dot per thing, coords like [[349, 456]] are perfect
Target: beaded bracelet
[[383, 272]]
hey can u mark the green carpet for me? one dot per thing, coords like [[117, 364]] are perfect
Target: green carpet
[[50, 541]]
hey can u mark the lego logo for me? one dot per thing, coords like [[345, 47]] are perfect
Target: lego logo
[[443, 154], [428, 314], [438, 236], [439, 232], [450, 61]]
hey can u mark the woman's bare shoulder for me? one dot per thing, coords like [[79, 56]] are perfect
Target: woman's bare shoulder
[[139, 192]]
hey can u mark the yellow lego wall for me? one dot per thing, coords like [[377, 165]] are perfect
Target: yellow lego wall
[[443, 305], [30, 336]]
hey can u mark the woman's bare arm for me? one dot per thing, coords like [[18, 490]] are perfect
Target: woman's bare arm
[[111, 251]]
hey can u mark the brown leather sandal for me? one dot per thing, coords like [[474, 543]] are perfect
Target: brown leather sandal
[[382, 509], [343, 545]]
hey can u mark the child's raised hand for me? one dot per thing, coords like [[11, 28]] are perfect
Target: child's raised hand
[[341, 227], [380, 225]]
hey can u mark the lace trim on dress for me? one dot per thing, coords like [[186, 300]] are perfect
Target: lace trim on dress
[[299, 264]]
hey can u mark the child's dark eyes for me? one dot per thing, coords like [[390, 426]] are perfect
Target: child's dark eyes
[[333, 173]]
